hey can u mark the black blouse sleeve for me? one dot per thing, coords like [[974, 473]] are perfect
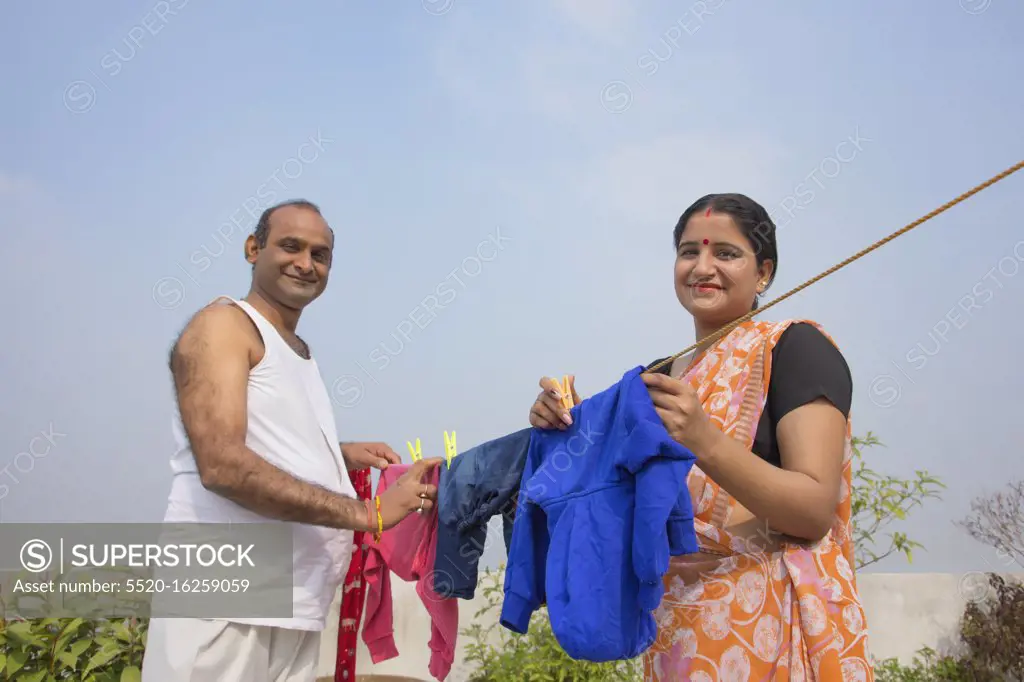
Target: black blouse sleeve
[[807, 366]]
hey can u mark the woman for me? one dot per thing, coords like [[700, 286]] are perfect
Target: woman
[[772, 593]]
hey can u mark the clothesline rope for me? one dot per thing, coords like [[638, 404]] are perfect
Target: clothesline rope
[[735, 323]]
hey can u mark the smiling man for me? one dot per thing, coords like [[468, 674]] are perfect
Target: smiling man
[[256, 441]]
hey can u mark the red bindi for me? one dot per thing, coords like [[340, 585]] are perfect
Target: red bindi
[[705, 242]]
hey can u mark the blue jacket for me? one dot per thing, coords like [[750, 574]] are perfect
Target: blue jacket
[[482, 482], [602, 506]]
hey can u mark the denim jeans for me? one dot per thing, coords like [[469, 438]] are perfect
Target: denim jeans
[[481, 483]]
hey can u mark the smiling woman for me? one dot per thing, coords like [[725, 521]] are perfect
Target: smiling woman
[[738, 262], [765, 410]]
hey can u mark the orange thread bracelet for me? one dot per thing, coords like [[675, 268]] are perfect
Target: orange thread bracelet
[[380, 521]]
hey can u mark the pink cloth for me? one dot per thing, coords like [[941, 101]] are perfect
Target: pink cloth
[[408, 550]]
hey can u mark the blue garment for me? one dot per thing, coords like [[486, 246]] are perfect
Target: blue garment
[[602, 506], [482, 482]]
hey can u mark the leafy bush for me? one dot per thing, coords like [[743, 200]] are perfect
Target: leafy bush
[[501, 655], [992, 637], [992, 631], [56, 649], [928, 666]]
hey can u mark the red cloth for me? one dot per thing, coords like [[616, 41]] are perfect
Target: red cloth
[[352, 592]]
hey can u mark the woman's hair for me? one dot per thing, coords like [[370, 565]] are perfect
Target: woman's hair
[[748, 215]]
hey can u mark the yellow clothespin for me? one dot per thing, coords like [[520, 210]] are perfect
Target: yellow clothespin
[[417, 452], [566, 392], [449, 448]]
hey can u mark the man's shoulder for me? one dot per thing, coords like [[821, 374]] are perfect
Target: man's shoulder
[[216, 333], [219, 321], [219, 315]]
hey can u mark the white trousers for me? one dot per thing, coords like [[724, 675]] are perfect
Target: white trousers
[[199, 650]]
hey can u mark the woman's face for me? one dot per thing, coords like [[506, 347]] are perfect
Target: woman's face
[[716, 273]]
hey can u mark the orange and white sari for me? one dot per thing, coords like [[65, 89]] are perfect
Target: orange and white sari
[[753, 604]]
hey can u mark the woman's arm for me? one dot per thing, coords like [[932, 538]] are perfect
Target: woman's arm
[[809, 398], [800, 498]]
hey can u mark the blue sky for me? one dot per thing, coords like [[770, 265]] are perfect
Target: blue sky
[[523, 164]]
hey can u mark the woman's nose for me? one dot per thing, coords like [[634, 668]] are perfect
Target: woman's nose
[[705, 264]]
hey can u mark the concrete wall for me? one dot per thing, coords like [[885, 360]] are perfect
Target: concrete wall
[[905, 612]]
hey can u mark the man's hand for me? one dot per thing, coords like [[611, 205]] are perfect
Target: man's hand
[[409, 493], [362, 455]]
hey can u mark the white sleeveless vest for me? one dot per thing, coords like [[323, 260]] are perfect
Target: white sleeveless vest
[[291, 425]]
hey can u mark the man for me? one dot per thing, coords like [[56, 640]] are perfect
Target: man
[[256, 440]]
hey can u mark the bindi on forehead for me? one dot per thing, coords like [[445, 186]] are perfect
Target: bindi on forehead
[[706, 242]]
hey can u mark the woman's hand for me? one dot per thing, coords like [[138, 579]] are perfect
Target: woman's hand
[[408, 494], [680, 410], [548, 412]]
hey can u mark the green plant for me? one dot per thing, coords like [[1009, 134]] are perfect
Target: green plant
[[927, 666], [501, 655], [57, 649], [878, 500]]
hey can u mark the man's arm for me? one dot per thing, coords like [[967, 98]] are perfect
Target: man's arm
[[362, 455], [210, 366]]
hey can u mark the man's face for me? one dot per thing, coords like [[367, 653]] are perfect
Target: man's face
[[294, 265]]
